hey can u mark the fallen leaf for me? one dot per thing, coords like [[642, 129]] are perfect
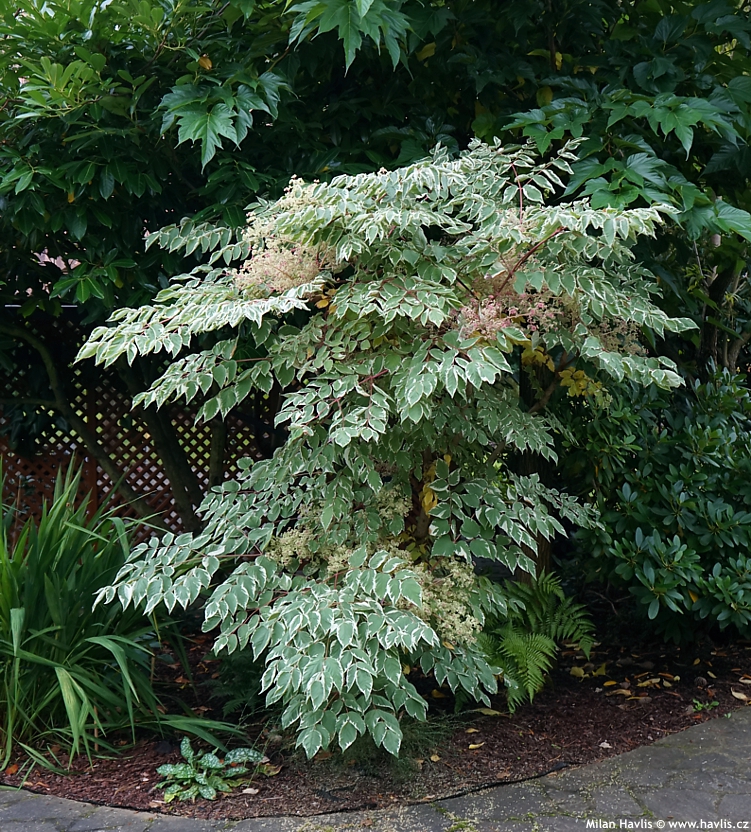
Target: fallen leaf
[[475, 745], [697, 661], [621, 691], [268, 769], [666, 683], [745, 681], [11, 770], [649, 683], [250, 791], [605, 745], [578, 672], [711, 675], [738, 695], [600, 670], [434, 758], [436, 694], [609, 683], [488, 712], [471, 731]]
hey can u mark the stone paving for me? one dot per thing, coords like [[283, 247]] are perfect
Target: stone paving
[[698, 779]]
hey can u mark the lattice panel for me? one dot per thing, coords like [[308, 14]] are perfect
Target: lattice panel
[[106, 411]]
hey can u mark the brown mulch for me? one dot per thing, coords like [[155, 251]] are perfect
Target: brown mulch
[[616, 701]]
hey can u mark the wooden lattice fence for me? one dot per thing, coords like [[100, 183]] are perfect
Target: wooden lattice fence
[[100, 401]]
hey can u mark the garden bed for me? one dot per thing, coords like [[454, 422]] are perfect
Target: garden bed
[[618, 700]]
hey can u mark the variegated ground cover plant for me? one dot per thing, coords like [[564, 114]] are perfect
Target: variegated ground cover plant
[[397, 312]]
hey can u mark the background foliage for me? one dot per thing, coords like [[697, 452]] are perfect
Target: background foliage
[[124, 117]]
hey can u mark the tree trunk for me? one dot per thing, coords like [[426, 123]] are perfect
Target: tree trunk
[[217, 451], [184, 483]]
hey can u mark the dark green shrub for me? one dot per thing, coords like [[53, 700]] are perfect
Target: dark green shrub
[[671, 474]]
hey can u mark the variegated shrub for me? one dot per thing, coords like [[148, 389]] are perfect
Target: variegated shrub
[[396, 311]]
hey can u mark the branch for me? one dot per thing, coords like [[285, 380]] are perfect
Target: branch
[[735, 350], [541, 403], [523, 259]]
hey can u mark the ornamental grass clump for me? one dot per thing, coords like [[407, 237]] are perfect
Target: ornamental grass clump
[[349, 557]]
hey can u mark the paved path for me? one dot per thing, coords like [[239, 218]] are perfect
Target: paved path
[[702, 775]]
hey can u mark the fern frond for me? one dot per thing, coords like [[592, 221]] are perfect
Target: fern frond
[[538, 617]]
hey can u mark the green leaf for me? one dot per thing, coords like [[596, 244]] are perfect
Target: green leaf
[[206, 127]]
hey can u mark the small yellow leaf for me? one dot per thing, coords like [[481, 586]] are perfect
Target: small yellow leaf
[[738, 695], [488, 712], [434, 758], [406, 669], [697, 661], [426, 52], [578, 672], [711, 675], [666, 683], [475, 745], [600, 670], [609, 683], [693, 596], [745, 681], [322, 303], [436, 694], [472, 731], [205, 62], [71, 196], [544, 96]]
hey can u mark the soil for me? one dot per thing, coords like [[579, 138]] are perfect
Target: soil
[[593, 708]]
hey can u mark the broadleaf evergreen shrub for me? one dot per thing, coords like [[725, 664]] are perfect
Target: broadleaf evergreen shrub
[[672, 476], [398, 312]]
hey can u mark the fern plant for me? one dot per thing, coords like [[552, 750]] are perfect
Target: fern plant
[[525, 643], [396, 311]]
